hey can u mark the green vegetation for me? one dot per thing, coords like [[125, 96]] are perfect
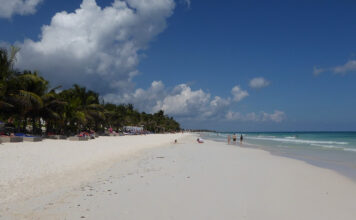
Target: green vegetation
[[26, 99]]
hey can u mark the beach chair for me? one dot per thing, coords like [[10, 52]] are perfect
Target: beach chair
[[28, 138], [11, 139], [32, 139], [57, 137], [77, 138]]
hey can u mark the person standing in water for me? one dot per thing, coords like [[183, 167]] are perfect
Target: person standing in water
[[234, 138], [228, 139], [241, 139]]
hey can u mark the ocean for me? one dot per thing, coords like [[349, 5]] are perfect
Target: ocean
[[332, 150]]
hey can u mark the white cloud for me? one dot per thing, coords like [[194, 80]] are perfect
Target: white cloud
[[238, 94], [258, 83], [276, 116], [8, 8], [96, 47], [181, 101], [144, 100], [184, 103], [349, 66]]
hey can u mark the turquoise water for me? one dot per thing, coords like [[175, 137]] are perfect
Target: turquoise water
[[333, 150]]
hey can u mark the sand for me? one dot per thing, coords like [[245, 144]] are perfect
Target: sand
[[175, 181], [28, 169]]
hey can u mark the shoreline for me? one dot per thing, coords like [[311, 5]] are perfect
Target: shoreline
[[197, 181], [348, 172], [314, 157]]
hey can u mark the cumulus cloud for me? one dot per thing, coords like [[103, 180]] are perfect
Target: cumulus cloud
[[94, 46], [258, 83], [238, 94], [181, 101], [8, 8], [276, 116], [144, 100], [184, 103]]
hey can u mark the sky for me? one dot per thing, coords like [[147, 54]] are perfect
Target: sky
[[224, 65]]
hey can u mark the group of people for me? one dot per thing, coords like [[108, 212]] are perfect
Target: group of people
[[234, 139]]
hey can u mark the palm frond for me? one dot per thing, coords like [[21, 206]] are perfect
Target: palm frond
[[53, 115], [30, 98], [95, 107], [4, 104], [80, 116], [55, 88]]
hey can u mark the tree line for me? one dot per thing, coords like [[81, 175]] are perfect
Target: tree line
[[27, 99]]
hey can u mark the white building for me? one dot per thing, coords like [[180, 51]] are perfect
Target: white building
[[133, 128]]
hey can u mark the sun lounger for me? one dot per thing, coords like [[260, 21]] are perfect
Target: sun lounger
[[32, 139], [29, 138], [57, 137], [11, 139], [76, 138]]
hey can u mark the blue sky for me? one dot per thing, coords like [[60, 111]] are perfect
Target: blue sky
[[182, 57]]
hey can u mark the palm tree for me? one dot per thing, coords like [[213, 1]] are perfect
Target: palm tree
[[18, 91], [6, 73], [52, 111], [24, 93], [83, 110]]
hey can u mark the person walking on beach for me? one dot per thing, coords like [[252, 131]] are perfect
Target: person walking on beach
[[234, 138], [228, 139], [241, 139]]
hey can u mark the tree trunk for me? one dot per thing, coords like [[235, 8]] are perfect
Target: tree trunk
[[47, 126], [33, 125], [24, 125], [40, 126]]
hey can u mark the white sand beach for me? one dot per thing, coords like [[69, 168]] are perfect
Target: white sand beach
[[28, 168], [149, 177]]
